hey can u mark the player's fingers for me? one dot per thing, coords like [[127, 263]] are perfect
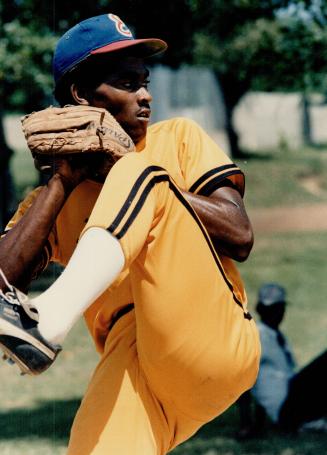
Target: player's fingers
[[43, 164]]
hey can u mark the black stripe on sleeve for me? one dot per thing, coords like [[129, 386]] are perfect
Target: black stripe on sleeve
[[156, 179], [215, 183], [132, 195], [209, 174]]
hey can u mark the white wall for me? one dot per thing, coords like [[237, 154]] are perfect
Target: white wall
[[13, 131], [263, 120]]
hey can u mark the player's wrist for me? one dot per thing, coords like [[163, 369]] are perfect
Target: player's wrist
[[61, 184]]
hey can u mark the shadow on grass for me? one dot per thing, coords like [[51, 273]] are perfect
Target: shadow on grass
[[320, 146], [52, 420], [219, 437], [49, 420], [260, 156]]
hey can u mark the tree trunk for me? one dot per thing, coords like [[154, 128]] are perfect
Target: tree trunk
[[306, 120], [232, 135], [232, 93]]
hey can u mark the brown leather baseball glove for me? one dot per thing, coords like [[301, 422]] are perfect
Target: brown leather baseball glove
[[75, 129]]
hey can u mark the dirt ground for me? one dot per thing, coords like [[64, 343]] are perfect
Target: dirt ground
[[311, 217]]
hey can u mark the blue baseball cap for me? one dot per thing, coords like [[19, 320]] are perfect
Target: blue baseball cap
[[271, 293], [98, 35]]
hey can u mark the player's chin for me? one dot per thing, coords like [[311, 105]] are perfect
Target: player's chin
[[138, 130]]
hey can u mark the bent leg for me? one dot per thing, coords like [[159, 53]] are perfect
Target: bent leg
[[197, 345]]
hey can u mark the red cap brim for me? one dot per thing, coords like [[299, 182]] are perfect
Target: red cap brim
[[145, 47]]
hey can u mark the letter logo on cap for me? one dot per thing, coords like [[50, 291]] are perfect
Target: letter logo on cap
[[120, 26]]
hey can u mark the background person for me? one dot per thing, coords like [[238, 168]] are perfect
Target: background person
[[292, 398]]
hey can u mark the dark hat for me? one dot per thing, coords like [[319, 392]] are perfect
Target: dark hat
[[271, 293], [98, 35]]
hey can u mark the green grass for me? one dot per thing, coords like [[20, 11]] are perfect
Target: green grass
[[36, 413], [278, 178], [218, 438]]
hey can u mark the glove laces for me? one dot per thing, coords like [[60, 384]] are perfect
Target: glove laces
[[16, 297]]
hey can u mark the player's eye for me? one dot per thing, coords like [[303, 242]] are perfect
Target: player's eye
[[133, 85], [128, 85], [146, 83]]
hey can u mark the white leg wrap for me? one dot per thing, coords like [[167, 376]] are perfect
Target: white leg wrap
[[94, 265]]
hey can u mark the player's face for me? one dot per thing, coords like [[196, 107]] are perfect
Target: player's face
[[124, 93]]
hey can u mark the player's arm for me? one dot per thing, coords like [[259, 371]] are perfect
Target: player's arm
[[22, 248], [225, 218], [214, 187]]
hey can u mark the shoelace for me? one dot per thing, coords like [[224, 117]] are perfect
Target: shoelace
[[16, 297]]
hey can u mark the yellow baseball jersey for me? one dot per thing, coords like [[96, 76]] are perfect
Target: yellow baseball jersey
[[195, 163], [193, 348]]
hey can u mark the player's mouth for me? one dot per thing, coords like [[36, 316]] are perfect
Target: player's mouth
[[144, 115]]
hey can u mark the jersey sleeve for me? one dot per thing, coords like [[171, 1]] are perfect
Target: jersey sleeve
[[204, 165], [50, 246]]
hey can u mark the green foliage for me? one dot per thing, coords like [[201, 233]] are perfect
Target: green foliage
[[25, 62], [262, 51], [29, 30], [26, 47]]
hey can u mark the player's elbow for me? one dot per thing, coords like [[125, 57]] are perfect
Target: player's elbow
[[237, 247], [244, 244]]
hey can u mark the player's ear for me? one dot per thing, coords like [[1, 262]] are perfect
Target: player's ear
[[78, 95]]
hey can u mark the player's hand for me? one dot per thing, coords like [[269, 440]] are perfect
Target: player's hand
[[71, 170]]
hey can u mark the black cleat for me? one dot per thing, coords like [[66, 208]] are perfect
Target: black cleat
[[20, 339]]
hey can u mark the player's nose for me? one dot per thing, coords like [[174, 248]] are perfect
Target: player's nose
[[143, 94]]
